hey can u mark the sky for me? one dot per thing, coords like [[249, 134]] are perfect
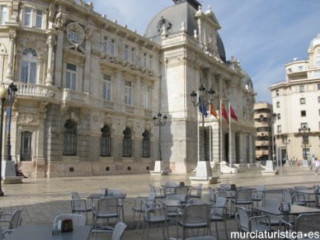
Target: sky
[[263, 34]]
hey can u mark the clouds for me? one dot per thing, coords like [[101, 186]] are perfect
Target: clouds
[[264, 35]]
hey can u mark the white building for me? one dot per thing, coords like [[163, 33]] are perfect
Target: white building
[[297, 105], [88, 88]]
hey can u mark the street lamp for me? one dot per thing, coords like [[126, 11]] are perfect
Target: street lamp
[[12, 89], [160, 121], [3, 95], [304, 130], [203, 95]]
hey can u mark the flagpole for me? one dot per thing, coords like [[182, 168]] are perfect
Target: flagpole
[[221, 134], [230, 137]]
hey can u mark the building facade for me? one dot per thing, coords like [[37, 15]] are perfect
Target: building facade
[[88, 88], [296, 103], [263, 124]]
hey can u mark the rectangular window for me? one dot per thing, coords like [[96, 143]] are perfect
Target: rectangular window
[[319, 99], [112, 48], [39, 19], [278, 104], [300, 68], [279, 129], [150, 63], [278, 116], [316, 74], [133, 55], [105, 45], [4, 14], [147, 98], [303, 113], [302, 101], [318, 86], [71, 76], [27, 17], [301, 88], [128, 94], [73, 36], [318, 61], [107, 87], [126, 53], [277, 92], [25, 150], [319, 126], [144, 63], [28, 72]]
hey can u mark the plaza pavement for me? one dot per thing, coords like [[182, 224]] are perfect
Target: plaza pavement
[[42, 199]]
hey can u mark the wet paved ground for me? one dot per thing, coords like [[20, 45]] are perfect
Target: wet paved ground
[[43, 199]]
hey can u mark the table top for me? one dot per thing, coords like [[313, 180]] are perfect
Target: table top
[[307, 191], [44, 232], [100, 195], [295, 210], [171, 203]]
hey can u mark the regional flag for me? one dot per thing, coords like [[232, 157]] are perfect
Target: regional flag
[[224, 113], [233, 114], [213, 111]]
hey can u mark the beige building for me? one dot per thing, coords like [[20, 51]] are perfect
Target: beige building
[[263, 125], [88, 88], [297, 105]]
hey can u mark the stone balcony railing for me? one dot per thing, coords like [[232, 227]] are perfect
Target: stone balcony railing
[[79, 98], [37, 91]]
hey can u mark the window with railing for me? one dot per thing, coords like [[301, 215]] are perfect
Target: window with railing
[[128, 98], [105, 146], [127, 143], [70, 138], [107, 87], [4, 15], [146, 144], [25, 149], [71, 76]]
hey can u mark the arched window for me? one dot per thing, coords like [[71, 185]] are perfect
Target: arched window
[[105, 145], [127, 143], [146, 144], [70, 138], [25, 150], [29, 63]]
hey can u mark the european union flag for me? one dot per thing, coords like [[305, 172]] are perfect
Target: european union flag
[[202, 107]]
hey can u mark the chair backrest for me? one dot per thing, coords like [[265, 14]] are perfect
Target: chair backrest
[[77, 219], [271, 202], [306, 223], [155, 213], [242, 219], [78, 205], [218, 206], [182, 190], [16, 219], [107, 205], [118, 231], [287, 196], [197, 215], [179, 197], [199, 189], [260, 188], [244, 195], [75, 196], [225, 186], [212, 195]]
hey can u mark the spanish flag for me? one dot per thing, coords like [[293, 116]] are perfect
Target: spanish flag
[[224, 113], [213, 111]]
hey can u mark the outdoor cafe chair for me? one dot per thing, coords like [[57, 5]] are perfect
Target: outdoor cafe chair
[[139, 206], [115, 193], [195, 192], [79, 205], [243, 197], [11, 221], [247, 223], [218, 213], [113, 234], [106, 208], [157, 192], [258, 194], [195, 216], [155, 215], [305, 224], [302, 197], [272, 203], [77, 219], [293, 198]]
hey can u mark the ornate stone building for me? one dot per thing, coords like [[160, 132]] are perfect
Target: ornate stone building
[[88, 88]]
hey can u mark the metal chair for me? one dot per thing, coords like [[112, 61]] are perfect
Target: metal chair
[[79, 205], [242, 197], [11, 221], [139, 205], [246, 223], [258, 194], [157, 192], [116, 193], [195, 216], [155, 214], [115, 234], [106, 208], [273, 203], [195, 192], [218, 213], [77, 219]]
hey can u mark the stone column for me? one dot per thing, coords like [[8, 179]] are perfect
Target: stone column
[[51, 41], [12, 38]]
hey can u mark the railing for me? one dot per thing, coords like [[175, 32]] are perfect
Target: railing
[[27, 89], [70, 95]]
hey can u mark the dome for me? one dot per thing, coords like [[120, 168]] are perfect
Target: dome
[[315, 42], [171, 18]]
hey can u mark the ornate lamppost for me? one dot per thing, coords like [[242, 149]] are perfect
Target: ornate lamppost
[[203, 171], [3, 95], [160, 121], [304, 130], [12, 89]]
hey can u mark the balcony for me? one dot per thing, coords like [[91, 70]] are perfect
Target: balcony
[[75, 98], [33, 91]]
